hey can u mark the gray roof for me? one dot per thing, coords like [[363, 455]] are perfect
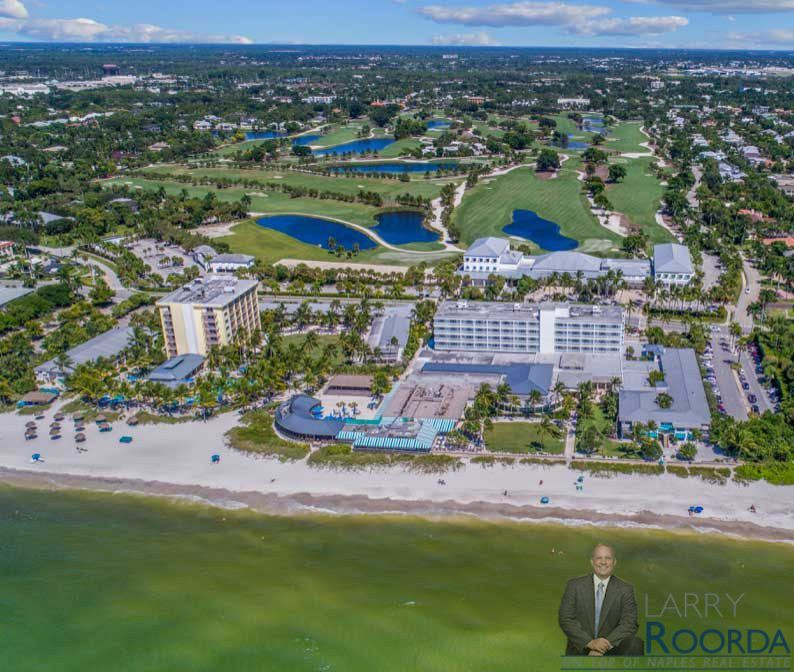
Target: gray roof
[[8, 294], [567, 262], [682, 381], [177, 369], [488, 247], [522, 378], [213, 290], [384, 327], [205, 250], [108, 345], [671, 258], [232, 259], [295, 417], [496, 310]]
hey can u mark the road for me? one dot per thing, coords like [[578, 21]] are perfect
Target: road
[[110, 276], [751, 280]]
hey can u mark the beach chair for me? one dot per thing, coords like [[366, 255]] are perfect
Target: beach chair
[[36, 457], [216, 459]]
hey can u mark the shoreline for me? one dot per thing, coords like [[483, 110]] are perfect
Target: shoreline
[[305, 503]]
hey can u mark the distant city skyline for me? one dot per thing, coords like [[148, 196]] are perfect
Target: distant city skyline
[[700, 24]]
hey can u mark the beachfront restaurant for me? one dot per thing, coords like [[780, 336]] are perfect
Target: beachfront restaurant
[[301, 418]]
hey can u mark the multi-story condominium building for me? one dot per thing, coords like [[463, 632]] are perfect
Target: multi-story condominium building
[[528, 328], [671, 264], [207, 312]]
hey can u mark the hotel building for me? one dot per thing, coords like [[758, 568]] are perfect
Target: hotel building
[[528, 328], [208, 312]]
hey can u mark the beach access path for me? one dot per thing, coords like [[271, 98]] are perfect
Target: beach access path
[[175, 458]]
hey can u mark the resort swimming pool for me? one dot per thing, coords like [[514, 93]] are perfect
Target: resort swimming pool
[[394, 167], [399, 228], [356, 147], [545, 233], [317, 231]]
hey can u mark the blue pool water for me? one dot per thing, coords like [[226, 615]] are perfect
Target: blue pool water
[[396, 167], [528, 224], [316, 231], [437, 123], [576, 144], [262, 135], [594, 124], [356, 146], [399, 228]]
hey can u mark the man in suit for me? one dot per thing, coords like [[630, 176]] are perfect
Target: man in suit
[[598, 613]]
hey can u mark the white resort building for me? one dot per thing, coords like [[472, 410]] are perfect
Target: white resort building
[[528, 328], [671, 264]]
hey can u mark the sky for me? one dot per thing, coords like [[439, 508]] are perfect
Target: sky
[[700, 24]]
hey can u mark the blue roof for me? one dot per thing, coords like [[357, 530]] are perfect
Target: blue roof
[[522, 378], [177, 369]]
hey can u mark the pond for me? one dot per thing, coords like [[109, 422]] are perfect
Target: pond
[[399, 228], [434, 124], [356, 146], [546, 234], [306, 139], [572, 144], [593, 124], [262, 135], [394, 167], [317, 231]]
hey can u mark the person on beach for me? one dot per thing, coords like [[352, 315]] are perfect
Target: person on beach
[[598, 612]]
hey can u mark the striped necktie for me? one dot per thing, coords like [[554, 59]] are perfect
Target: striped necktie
[[599, 601]]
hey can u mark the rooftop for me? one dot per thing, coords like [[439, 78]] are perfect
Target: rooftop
[[495, 310], [108, 345], [682, 381], [671, 258], [212, 291], [522, 378], [177, 369], [232, 259], [488, 247]]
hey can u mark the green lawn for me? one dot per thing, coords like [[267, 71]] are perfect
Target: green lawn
[[488, 208], [638, 197], [626, 137], [338, 136], [396, 148], [521, 437], [390, 188], [608, 447], [322, 341], [136, 583]]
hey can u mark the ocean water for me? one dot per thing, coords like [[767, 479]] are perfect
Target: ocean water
[[131, 584], [316, 231]]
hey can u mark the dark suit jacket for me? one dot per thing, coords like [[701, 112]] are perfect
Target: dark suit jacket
[[577, 613]]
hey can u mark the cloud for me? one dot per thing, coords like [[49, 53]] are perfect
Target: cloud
[[635, 25], [467, 39], [89, 30], [726, 6], [779, 37], [13, 9], [515, 14]]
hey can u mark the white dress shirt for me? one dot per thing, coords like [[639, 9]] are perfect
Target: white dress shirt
[[596, 581]]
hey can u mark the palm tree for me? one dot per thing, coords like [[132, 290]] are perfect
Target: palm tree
[[546, 428]]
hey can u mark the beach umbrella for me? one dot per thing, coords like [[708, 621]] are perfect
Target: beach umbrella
[[55, 424], [55, 430], [79, 438], [101, 418], [35, 457], [59, 416], [132, 421], [216, 459], [79, 428], [78, 417], [698, 509], [30, 423]]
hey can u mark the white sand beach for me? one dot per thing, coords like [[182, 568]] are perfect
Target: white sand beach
[[175, 460]]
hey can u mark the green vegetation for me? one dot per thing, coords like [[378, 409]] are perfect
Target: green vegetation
[[626, 137], [604, 429], [486, 461], [638, 196], [339, 136], [321, 342], [426, 603], [776, 473], [342, 456], [616, 467], [256, 435], [521, 437], [147, 418], [488, 207]]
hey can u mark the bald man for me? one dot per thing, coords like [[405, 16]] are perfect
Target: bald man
[[598, 612]]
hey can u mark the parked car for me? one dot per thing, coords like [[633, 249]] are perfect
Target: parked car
[[752, 398], [745, 385], [755, 409]]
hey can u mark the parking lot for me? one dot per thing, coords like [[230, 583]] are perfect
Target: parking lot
[[765, 394], [722, 378]]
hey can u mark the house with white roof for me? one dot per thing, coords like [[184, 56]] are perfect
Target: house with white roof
[[672, 264]]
